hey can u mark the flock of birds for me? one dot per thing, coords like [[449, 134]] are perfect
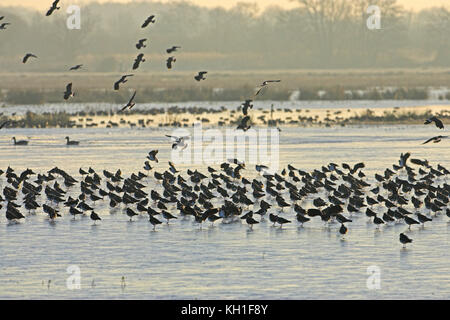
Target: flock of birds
[[333, 194], [402, 195]]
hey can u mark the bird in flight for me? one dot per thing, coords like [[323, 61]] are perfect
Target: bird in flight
[[173, 49], [149, 20], [130, 103], [170, 61], [141, 44], [53, 8], [2, 17], [435, 139], [68, 92], [152, 155], [27, 56], [121, 80], [200, 76], [77, 67], [436, 121], [265, 84], [3, 25], [180, 142], [138, 60], [246, 105]]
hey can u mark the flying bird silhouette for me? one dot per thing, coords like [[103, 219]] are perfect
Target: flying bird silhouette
[[28, 56], [130, 103], [138, 60], [435, 139], [436, 121], [173, 49], [149, 20], [68, 94], [121, 80], [265, 84], [180, 142], [170, 61], [201, 75], [78, 66], [53, 8], [141, 44], [3, 25]]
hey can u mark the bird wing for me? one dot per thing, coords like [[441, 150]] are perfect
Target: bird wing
[[429, 140], [116, 85], [438, 123], [132, 97], [258, 92], [69, 87]]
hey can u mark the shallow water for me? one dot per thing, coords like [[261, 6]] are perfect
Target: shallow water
[[227, 261]]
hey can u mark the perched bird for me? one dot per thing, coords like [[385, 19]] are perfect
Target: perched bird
[[71, 143], [130, 103], [77, 67], [170, 61], [173, 49], [404, 239], [141, 44], [95, 217], [154, 221], [27, 56], [250, 221], [138, 60], [53, 8], [123, 79], [68, 93], [435, 139], [201, 75], [265, 84], [149, 20], [180, 142], [436, 121]]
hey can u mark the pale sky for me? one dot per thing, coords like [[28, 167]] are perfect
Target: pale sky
[[44, 4]]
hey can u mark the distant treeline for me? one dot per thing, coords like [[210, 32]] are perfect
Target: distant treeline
[[30, 96], [318, 34]]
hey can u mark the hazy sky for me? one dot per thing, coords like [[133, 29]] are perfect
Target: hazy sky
[[43, 4]]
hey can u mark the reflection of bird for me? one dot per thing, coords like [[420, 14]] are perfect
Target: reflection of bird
[[68, 92], [138, 60], [404, 239], [53, 8], [265, 84], [130, 103], [149, 20], [173, 49], [435, 139], [141, 44], [121, 80], [27, 56], [200, 76], [436, 121], [170, 61], [180, 142], [78, 66]]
